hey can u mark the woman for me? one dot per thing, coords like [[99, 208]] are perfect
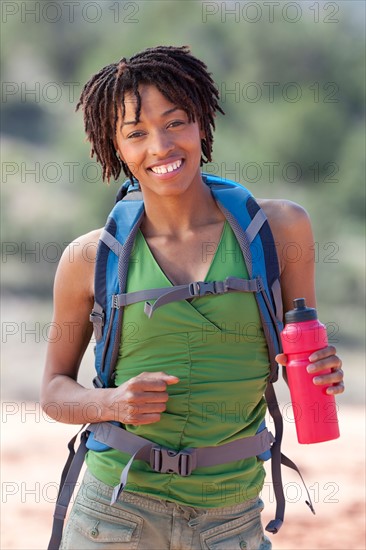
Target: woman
[[152, 116]]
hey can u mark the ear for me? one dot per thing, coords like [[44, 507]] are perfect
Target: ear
[[118, 151]]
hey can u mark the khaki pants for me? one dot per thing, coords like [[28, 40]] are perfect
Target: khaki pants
[[138, 522]]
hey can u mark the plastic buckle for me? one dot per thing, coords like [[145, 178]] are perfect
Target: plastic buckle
[[167, 461], [96, 318], [220, 287], [195, 288], [201, 288], [209, 288]]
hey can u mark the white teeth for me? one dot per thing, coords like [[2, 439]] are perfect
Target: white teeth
[[165, 168]]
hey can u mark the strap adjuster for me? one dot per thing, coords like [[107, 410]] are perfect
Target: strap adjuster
[[168, 461], [115, 301], [201, 288], [97, 318]]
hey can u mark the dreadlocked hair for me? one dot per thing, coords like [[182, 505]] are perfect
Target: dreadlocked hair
[[179, 76]]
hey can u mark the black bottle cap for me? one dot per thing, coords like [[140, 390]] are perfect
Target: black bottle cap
[[301, 312]]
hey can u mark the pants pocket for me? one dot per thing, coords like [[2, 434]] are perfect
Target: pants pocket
[[238, 534], [92, 528]]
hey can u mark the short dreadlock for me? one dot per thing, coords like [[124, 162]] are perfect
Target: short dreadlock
[[179, 76]]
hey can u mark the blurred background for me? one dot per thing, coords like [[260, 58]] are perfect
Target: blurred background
[[291, 78]]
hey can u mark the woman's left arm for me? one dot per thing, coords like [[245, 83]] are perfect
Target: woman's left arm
[[294, 241]]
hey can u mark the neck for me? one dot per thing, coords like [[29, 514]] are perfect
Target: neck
[[175, 215]]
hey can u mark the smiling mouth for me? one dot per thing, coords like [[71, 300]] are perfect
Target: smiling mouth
[[167, 168]]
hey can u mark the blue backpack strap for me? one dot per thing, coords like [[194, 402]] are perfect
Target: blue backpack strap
[[113, 254], [254, 235]]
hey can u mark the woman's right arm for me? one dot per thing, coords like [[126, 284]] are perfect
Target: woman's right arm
[[70, 335], [140, 400]]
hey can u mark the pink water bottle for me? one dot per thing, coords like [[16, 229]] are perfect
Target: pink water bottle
[[315, 411]]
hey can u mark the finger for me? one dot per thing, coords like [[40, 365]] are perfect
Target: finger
[[160, 376], [151, 408], [151, 382], [322, 353], [335, 390], [331, 378], [172, 380], [135, 413], [281, 358], [155, 397], [330, 362], [140, 397]]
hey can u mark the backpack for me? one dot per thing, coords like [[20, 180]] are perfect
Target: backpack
[[253, 233]]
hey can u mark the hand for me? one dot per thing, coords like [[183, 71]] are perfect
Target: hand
[[319, 361], [142, 399]]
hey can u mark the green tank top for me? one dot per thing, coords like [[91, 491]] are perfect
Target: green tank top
[[216, 346]]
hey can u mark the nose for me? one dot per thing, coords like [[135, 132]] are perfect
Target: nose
[[161, 144]]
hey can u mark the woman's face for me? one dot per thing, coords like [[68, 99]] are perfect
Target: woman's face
[[163, 150]]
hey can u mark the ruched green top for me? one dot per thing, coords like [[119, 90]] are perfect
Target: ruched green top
[[216, 346]]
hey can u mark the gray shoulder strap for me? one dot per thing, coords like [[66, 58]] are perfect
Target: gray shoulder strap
[[111, 242], [277, 297], [255, 225]]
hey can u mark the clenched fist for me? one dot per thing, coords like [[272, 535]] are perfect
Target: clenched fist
[[142, 399]]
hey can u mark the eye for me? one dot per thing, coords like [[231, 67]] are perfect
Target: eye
[[134, 135], [175, 123]]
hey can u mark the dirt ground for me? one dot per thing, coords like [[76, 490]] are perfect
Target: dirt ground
[[34, 451]]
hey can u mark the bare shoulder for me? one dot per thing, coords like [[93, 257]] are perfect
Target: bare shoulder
[[292, 233], [285, 217], [85, 246], [76, 268], [82, 250], [282, 211]]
